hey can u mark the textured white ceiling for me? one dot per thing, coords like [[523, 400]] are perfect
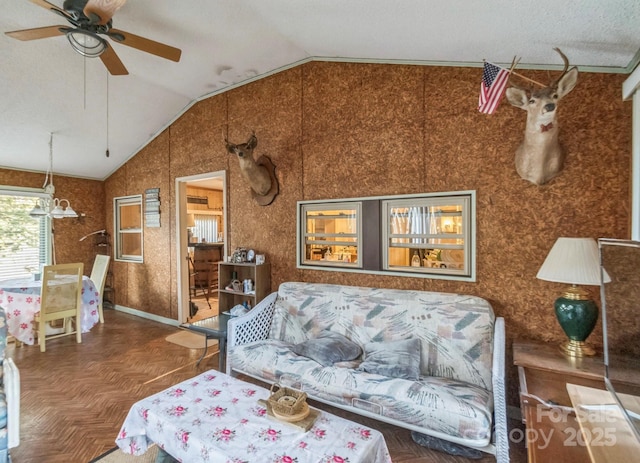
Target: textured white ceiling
[[46, 87]]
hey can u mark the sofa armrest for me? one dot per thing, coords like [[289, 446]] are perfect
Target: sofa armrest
[[500, 431], [253, 326]]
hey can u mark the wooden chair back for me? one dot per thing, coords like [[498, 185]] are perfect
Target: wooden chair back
[[60, 299], [205, 269]]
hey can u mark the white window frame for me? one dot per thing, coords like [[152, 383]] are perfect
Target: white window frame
[[373, 235], [463, 270], [36, 193], [305, 235], [119, 202]]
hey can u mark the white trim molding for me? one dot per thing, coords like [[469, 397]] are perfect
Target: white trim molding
[[147, 315], [631, 90]]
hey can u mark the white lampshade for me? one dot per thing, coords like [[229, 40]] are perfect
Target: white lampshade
[[69, 212], [574, 261], [57, 212], [191, 220], [38, 211]]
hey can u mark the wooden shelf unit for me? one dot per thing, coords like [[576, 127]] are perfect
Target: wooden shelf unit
[[260, 275]]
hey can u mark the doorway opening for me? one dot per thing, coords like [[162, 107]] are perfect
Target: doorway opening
[[201, 237]]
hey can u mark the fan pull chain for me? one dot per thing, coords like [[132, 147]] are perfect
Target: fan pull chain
[[84, 70], [107, 152]]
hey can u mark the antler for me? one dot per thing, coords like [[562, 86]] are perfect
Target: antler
[[540, 157], [566, 63]]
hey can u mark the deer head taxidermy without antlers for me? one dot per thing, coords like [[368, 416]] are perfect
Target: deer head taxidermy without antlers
[[540, 157], [260, 174]]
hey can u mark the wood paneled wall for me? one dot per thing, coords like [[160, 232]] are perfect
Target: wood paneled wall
[[214, 200], [340, 130]]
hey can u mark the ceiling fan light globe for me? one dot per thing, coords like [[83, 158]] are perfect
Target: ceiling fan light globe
[[86, 43]]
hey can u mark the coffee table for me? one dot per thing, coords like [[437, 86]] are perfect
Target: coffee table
[[216, 418], [212, 328]]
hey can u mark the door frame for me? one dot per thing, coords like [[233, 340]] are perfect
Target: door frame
[[181, 235]]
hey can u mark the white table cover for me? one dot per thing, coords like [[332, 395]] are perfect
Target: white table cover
[[20, 298], [216, 418]]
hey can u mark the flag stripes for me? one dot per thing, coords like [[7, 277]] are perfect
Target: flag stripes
[[492, 87]]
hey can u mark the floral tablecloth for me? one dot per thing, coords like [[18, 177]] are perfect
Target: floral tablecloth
[[215, 418], [20, 299]]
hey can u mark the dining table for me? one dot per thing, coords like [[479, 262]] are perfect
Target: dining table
[[20, 298]]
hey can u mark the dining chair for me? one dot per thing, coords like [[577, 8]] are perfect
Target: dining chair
[[205, 271], [60, 299], [99, 277]]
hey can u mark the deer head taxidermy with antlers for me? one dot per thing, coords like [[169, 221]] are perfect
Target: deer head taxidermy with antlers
[[260, 174], [540, 157]]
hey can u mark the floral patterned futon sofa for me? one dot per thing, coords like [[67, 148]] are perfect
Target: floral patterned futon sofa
[[426, 361]]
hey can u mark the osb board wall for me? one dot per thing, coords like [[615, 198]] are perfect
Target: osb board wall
[[86, 197], [195, 148], [337, 130], [272, 108], [145, 286]]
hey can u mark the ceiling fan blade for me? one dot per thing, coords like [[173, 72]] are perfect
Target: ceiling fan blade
[[101, 11], [112, 62], [51, 6], [146, 45], [37, 33]]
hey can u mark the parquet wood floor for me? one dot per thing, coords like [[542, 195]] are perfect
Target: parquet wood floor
[[204, 310], [74, 397]]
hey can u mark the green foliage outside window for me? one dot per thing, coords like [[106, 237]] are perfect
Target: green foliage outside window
[[17, 229]]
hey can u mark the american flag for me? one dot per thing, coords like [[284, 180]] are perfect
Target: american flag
[[494, 81]]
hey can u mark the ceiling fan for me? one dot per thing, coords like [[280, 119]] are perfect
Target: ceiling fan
[[91, 20]]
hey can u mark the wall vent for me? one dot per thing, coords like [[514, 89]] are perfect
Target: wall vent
[[198, 200]]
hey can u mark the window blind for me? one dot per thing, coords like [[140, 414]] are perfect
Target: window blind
[[206, 227], [25, 242]]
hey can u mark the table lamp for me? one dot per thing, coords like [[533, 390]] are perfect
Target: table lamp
[[575, 261]]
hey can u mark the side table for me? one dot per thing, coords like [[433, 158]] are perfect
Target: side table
[[212, 328], [553, 433]]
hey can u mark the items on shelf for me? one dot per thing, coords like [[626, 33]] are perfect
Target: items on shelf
[[246, 284], [239, 310]]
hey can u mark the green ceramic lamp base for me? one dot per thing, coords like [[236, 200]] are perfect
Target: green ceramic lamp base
[[577, 315]]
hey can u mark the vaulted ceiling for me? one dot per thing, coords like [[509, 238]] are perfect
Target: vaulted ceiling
[[46, 87]]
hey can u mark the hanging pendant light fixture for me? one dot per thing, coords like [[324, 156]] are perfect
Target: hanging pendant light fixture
[[50, 206]]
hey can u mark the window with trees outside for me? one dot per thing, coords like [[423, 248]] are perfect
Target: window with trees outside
[[25, 242]]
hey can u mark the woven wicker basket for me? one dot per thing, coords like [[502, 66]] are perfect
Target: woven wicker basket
[[287, 403]]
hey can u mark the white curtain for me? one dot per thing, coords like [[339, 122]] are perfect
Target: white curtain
[[206, 227], [415, 221]]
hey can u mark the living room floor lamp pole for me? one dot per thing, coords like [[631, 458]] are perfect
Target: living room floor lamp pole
[[575, 261]]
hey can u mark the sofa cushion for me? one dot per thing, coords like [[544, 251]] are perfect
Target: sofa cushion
[[396, 359], [329, 348], [269, 360], [455, 330], [440, 404]]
